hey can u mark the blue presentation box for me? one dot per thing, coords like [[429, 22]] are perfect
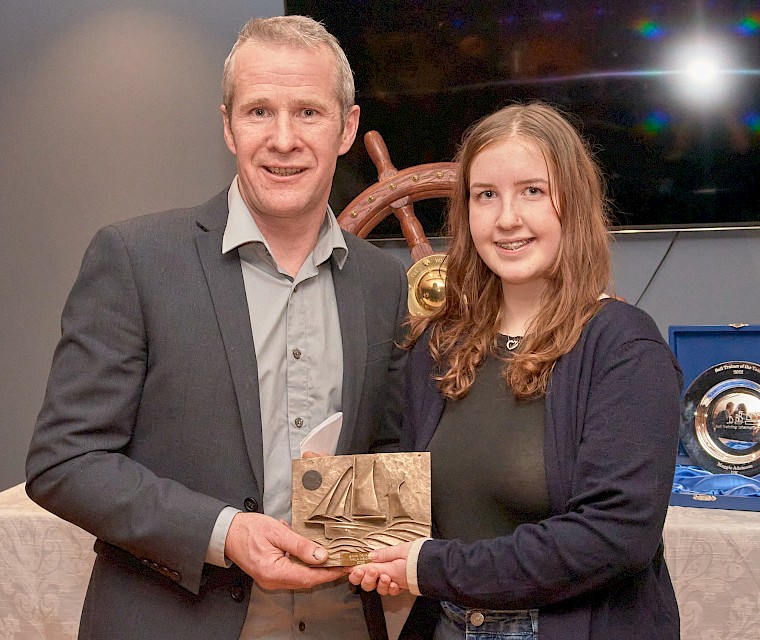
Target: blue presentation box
[[697, 348]]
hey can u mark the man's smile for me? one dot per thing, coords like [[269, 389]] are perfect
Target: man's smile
[[283, 171]]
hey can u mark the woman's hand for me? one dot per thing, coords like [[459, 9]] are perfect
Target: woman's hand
[[386, 573]]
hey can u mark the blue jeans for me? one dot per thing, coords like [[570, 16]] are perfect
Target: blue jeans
[[456, 623]]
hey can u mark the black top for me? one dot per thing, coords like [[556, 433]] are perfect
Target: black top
[[487, 460]]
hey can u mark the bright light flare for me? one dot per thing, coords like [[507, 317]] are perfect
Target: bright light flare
[[702, 71]]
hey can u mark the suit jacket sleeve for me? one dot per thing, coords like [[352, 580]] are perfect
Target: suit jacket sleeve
[[78, 465]]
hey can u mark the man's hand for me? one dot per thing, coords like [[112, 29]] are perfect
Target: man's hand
[[386, 573], [260, 546]]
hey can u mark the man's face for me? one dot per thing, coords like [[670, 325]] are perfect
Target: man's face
[[285, 130]]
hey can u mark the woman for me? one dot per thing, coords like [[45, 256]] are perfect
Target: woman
[[551, 411]]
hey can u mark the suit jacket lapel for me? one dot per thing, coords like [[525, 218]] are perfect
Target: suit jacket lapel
[[432, 416], [353, 330], [422, 392], [224, 277]]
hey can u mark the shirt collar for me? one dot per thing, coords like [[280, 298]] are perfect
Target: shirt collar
[[241, 229]]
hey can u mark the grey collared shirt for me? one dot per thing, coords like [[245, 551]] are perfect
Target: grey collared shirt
[[299, 358], [296, 334]]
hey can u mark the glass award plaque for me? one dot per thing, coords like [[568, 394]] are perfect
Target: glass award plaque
[[353, 504]]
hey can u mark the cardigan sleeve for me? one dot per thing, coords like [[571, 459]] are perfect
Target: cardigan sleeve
[[615, 414]]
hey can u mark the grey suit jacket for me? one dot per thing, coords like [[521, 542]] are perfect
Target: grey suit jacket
[[151, 423]]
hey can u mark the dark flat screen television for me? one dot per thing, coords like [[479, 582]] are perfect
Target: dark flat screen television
[[667, 93]]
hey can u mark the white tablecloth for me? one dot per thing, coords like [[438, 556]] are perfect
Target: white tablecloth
[[713, 557], [45, 564]]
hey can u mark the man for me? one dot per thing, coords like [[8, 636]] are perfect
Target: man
[[199, 346], [725, 416]]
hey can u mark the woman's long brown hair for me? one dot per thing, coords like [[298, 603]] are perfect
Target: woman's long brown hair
[[464, 328]]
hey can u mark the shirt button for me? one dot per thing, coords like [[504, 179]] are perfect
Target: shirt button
[[298, 422], [297, 353], [476, 619], [302, 626], [251, 504]]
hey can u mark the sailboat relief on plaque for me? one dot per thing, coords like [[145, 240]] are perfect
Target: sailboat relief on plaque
[[353, 504]]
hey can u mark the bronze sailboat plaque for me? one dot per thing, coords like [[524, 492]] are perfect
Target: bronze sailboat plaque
[[353, 504]]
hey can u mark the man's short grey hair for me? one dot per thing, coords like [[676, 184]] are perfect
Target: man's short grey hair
[[295, 31]]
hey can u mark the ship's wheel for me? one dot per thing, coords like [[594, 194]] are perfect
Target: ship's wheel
[[395, 192]]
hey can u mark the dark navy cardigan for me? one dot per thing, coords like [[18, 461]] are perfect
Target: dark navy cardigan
[[595, 568]]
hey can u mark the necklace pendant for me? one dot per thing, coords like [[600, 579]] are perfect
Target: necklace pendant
[[512, 343]]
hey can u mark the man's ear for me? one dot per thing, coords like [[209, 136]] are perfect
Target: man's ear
[[349, 130], [229, 139]]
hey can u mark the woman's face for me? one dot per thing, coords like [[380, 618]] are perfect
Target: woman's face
[[513, 222]]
